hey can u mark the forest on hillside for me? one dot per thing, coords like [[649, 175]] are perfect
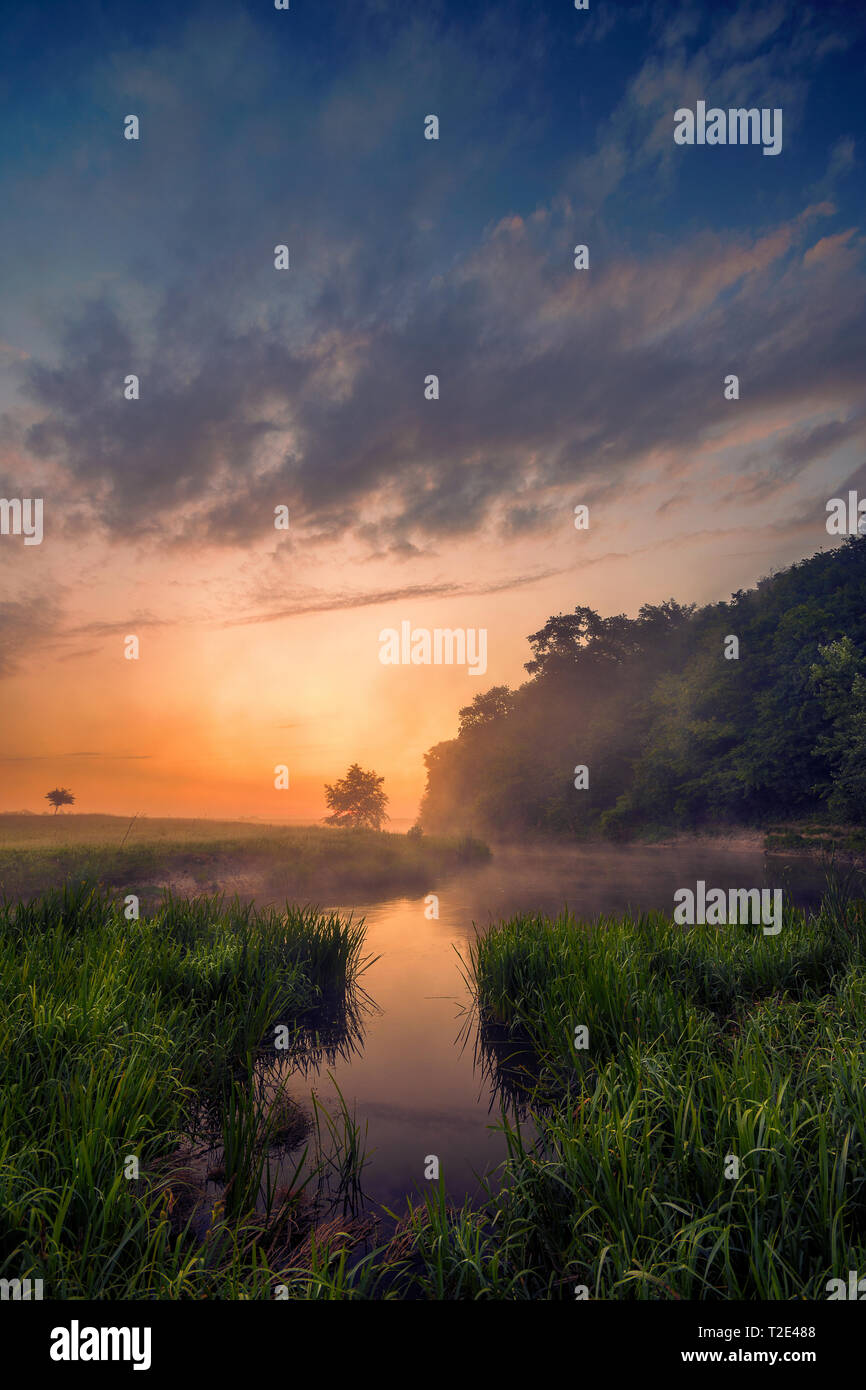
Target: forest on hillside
[[673, 729]]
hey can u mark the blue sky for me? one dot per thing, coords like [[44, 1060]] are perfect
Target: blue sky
[[303, 126]]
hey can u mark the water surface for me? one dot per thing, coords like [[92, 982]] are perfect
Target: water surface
[[415, 1079]]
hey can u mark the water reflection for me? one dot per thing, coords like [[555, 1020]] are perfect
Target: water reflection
[[422, 1072]]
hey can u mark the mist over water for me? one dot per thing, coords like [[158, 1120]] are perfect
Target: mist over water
[[415, 1080]]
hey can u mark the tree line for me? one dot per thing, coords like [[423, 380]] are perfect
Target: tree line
[[674, 734]]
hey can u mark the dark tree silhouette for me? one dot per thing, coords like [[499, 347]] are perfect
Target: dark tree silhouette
[[357, 800], [59, 797]]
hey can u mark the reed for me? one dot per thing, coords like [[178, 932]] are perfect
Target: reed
[[111, 1034], [703, 1043]]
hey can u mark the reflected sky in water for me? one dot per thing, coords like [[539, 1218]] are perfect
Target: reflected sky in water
[[415, 1080]]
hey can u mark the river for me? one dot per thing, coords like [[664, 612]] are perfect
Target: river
[[414, 1080]]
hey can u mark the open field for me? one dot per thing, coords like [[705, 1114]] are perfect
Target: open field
[[276, 863]]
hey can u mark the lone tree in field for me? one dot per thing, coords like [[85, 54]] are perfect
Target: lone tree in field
[[357, 800], [59, 797]]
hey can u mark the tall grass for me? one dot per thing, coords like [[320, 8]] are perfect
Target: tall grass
[[342, 1150], [111, 1034], [705, 1043]]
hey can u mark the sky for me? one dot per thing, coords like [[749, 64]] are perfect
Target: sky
[[306, 388]]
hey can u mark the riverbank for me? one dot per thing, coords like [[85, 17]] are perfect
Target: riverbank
[[818, 839], [707, 1138], [271, 863], [134, 1047]]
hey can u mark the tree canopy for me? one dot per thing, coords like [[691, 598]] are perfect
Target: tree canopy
[[357, 800], [674, 732], [59, 797]]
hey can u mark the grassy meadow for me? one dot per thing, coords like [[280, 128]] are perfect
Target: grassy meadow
[[144, 855]]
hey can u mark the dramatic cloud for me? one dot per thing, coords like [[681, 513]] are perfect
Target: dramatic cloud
[[27, 629], [305, 387], [535, 363]]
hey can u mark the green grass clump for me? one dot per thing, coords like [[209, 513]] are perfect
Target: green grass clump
[[114, 1035], [704, 1042]]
